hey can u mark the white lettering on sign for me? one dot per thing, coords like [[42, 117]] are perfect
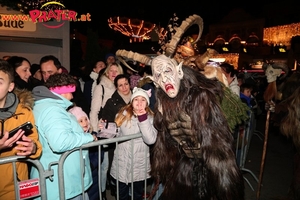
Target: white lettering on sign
[[29, 188], [27, 185]]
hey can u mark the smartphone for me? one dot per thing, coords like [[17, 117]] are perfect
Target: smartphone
[[26, 127]]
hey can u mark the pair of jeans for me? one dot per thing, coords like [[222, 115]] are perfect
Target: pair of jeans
[[125, 190], [158, 192], [104, 169]]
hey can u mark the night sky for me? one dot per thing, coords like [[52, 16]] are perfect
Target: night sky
[[156, 12]]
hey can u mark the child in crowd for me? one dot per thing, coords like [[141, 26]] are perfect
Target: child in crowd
[[134, 118], [82, 118], [246, 94], [84, 122]]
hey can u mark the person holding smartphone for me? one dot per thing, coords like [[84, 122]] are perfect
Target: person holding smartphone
[[15, 109], [6, 141]]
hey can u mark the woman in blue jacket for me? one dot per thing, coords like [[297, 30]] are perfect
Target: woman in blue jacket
[[59, 132]]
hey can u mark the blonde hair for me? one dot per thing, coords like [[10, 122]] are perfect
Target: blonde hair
[[120, 69], [121, 118]]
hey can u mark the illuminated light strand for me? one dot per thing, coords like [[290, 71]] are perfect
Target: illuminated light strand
[[231, 58], [138, 30], [281, 35], [277, 35]]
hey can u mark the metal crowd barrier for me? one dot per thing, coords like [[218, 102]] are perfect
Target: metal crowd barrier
[[43, 174], [244, 136], [247, 131], [48, 173]]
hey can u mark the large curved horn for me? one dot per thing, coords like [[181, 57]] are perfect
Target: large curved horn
[[187, 23], [129, 55], [201, 60]]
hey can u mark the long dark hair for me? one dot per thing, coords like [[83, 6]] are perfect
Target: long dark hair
[[16, 61]]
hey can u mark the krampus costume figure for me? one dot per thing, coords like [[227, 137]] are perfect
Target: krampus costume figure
[[290, 127], [193, 156], [288, 111]]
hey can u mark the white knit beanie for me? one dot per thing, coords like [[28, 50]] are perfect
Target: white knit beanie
[[140, 92], [78, 113]]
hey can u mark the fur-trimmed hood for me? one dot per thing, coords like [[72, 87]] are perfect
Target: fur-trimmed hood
[[25, 97], [17, 98]]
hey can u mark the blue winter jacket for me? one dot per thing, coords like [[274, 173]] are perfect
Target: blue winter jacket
[[59, 132]]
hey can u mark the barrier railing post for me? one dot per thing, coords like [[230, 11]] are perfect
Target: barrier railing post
[[44, 174], [245, 144]]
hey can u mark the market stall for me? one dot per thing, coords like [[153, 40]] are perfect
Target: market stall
[[20, 36]]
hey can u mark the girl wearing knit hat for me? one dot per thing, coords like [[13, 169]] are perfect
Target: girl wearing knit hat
[[134, 118], [83, 120], [81, 117]]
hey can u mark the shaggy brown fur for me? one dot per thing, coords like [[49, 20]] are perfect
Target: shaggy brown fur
[[290, 126], [212, 175]]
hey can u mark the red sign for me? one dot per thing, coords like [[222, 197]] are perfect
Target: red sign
[[29, 188]]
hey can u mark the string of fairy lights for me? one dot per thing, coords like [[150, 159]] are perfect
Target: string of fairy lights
[[137, 30], [281, 35]]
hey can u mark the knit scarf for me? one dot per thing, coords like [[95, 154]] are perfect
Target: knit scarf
[[10, 106], [126, 98]]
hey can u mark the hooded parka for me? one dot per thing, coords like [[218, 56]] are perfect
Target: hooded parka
[[59, 132], [17, 110]]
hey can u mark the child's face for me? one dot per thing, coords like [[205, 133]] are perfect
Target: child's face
[[83, 121], [139, 104], [5, 86], [247, 92]]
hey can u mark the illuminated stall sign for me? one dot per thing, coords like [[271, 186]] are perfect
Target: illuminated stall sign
[[16, 23], [18, 20]]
